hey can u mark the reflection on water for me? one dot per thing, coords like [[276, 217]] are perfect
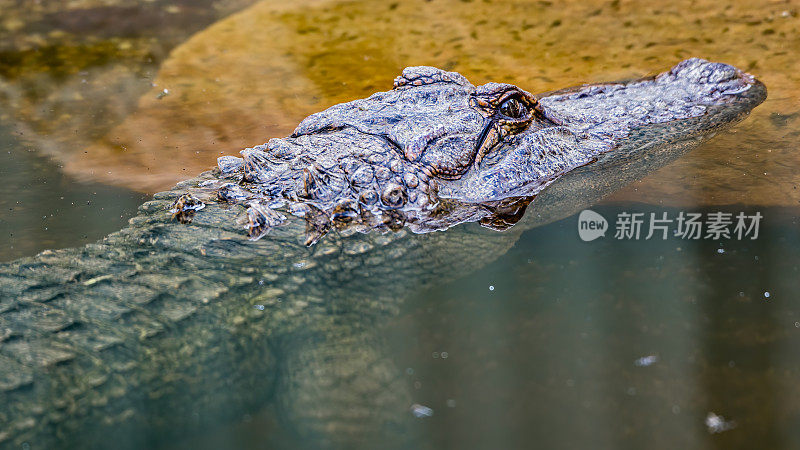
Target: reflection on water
[[549, 355], [541, 345], [42, 208], [606, 344]]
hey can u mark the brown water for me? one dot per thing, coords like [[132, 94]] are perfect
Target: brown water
[[101, 101]]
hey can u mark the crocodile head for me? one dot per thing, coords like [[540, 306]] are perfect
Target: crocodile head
[[436, 150]]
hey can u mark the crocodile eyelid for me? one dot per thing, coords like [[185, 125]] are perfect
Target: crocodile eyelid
[[489, 102], [521, 95]]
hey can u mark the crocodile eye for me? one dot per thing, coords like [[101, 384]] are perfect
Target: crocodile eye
[[513, 109]]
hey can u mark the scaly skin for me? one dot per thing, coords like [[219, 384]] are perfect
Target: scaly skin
[[165, 326]]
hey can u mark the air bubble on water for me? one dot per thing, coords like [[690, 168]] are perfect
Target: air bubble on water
[[445, 355], [645, 361], [259, 307], [720, 250], [718, 424], [421, 411], [409, 371], [491, 288], [766, 294]]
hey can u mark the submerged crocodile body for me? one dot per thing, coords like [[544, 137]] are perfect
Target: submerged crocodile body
[[158, 325]]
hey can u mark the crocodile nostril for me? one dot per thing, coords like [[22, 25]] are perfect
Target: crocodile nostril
[[394, 196]]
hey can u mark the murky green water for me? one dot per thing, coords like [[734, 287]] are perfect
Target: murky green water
[[562, 343], [545, 346], [43, 208], [559, 343]]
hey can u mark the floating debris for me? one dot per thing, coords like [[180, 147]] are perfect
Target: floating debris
[[718, 424], [645, 361], [421, 411]]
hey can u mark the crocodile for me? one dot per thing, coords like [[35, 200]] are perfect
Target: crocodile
[[266, 280]]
